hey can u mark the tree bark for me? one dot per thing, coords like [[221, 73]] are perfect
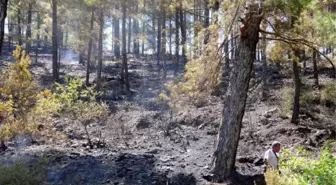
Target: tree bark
[[28, 32], [154, 26], [136, 32], [170, 37], [38, 36], [206, 21], [3, 15], [19, 30], [316, 77], [100, 48], [235, 100], [124, 54], [143, 29], [297, 91], [88, 63], [183, 32], [159, 35], [54, 41], [196, 27], [177, 39], [116, 35], [164, 39], [297, 81], [129, 35]]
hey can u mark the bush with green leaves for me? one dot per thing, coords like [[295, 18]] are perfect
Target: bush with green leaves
[[24, 174], [303, 168], [23, 108], [328, 94], [79, 103]]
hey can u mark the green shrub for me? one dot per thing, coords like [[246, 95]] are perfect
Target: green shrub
[[272, 177], [78, 103], [304, 168], [22, 174], [23, 109], [328, 93]]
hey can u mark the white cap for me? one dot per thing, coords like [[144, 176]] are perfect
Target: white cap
[[275, 143]]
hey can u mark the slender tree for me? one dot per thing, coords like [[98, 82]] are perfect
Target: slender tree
[[88, 63], [235, 98], [100, 48], [136, 32], [206, 21], [177, 40], [316, 77], [170, 37], [159, 35], [143, 29], [3, 15], [163, 34], [28, 31], [129, 35], [124, 54], [54, 41], [116, 24], [19, 27], [38, 35], [182, 24]]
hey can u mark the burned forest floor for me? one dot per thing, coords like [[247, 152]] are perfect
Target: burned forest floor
[[146, 142]]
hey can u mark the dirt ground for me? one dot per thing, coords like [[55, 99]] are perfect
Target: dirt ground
[[148, 143]]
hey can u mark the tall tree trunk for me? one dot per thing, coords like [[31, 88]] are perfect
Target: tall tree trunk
[[129, 35], [116, 35], [19, 30], [316, 77], [225, 70], [28, 32], [196, 27], [143, 30], [136, 32], [112, 33], [159, 35], [170, 37], [38, 35], [183, 32], [177, 39], [54, 41], [297, 91], [88, 63], [206, 21], [235, 100], [297, 81], [154, 26], [164, 39], [124, 54], [100, 48], [3, 15]]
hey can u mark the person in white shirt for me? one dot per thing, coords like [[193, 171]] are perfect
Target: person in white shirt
[[272, 156]]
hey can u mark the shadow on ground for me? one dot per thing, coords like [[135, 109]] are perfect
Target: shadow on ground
[[125, 169]]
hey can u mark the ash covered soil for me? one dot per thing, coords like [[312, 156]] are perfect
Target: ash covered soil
[[146, 142]]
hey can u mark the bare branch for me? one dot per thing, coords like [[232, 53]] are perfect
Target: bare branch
[[303, 42]]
